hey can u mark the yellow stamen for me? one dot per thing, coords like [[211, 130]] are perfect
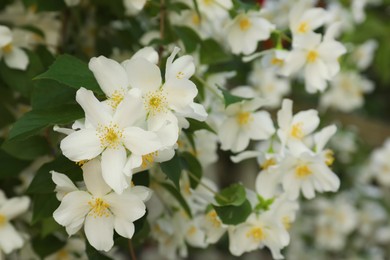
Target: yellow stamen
[[244, 118], [329, 157], [277, 62], [156, 102], [116, 98], [82, 162], [99, 208], [286, 222], [303, 27], [208, 2], [268, 163], [296, 131], [312, 56], [213, 217], [3, 220], [62, 255], [302, 171], [256, 233], [148, 159], [196, 19], [245, 24], [191, 231], [8, 48], [110, 136]]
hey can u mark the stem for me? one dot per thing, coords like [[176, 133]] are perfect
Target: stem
[[162, 27], [131, 249]]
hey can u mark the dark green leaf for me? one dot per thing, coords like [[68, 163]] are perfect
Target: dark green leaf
[[234, 215], [192, 165], [50, 93], [196, 125], [27, 149], [172, 170], [35, 120], [177, 195], [188, 36], [231, 99], [234, 195], [43, 206], [43, 183], [6, 116], [46, 246], [49, 226], [93, 254], [71, 72], [177, 7], [11, 166], [211, 52]]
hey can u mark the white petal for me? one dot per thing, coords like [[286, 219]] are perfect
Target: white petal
[[126, 206], [5, 36], [285, 114], [141, 142], [180, 93], [100, 231], [228, 133], [63, 184], [124, 228], [322, 137], [147, 53], [170, 61], [92, 174], [15, 206], [10, 238], [293, 62], [142, 192], [143, 74], [134, 161], [113, 163], [181, 68], [81, 145], [130, 110], [268, 182], [95, 113], [73, 208], [262, 126], [168, 134], [110, 75], [16, 59]]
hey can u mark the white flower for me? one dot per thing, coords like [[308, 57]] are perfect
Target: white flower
[[244, 123], [318, 58], [14, 57], [346, 92], [72, 2], [10, 239], [257, 231], [303, 20], [215, 9], [269, 178], [212, 226], [100, 210], [133, 6], [363, 54], [246, 30], [110, 135], [293, 129], [380, 164]]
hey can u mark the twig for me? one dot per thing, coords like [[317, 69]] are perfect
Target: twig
[[131, 249]]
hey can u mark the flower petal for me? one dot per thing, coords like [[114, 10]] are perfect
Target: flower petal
[[141, 142], [143, 74], [180, 93], [9, 238], [16, 59], [124, 228], [5, 36], [110, 75], [92, 173], [15, 206], [130, 110], [127, 206], [63, 184], [95, 113], [147, 53], [81, 145], [113, 163], [100, 231]]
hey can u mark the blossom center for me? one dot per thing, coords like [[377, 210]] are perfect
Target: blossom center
[[296, 131], [3, 220], [99, 208], [303, 27], [196, 19], [256, 233], [286, 222], [148, 159], [245, 24], [116, 98], [208, 2], [268, 163], [244, 118], [212, 216], [156, 102], [110, 136], [302, 171], [8, 48], [312, 56], [191, 231], [329, 157], [277, 62]]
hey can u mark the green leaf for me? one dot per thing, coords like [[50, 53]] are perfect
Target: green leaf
[[233, 215], [50, 93], [192, 165], [28, 149], [196, 125], [231, 99], [71, 72], [188, 36], [11, 166], [43, 206], [93, 254], [234, 195], [49, 226], [141, 235], [46, 246], [177, 7], [6, 117], [172, 170], [43, 183], [177, 195], [211, 52], [35, 120]]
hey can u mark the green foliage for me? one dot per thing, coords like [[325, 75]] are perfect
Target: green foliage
[[231, 99], [196, 125], [27, 149], [191, 164], [172, 170], [71, 72], [177, 195], [234, 195], [46, 246], [188, 36], [211, 52]]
